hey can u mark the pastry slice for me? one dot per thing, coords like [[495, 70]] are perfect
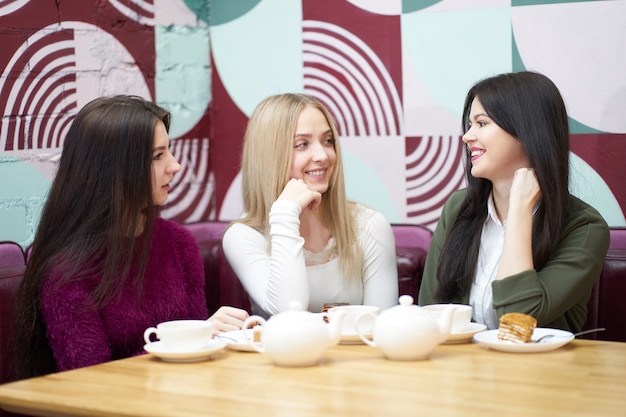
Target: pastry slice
[[516, 327]]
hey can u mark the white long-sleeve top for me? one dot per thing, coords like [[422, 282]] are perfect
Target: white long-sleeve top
[[283, 271]]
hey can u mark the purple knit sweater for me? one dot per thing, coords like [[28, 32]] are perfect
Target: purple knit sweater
[[173, 288]]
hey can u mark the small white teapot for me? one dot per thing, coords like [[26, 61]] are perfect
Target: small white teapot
[[406, 331], [296, 337]]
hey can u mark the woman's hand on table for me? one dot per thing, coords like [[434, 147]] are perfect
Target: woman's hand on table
[[227, 319]]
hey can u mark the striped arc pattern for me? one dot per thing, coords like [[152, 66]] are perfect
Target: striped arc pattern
[[140, 11], [434, 170], [39, 91], [192, 196], [9, 6], [345, 74]]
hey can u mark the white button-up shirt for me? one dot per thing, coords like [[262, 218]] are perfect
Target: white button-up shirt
[[491, 243]]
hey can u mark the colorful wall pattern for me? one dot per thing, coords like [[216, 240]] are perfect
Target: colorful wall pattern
[[393, 73]]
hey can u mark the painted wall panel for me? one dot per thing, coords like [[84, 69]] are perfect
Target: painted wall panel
[[394, 74]]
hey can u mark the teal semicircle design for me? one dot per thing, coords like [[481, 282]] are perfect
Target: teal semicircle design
[[588, 185], [409, 6], [364, 186], [200, 8], [516, 58], [224, 11], [576, 127]]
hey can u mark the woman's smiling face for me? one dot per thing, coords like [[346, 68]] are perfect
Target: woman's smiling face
[[495, 153], [314, 155]]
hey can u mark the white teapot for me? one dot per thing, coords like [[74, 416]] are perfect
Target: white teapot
[[406, 331], [296, 337]]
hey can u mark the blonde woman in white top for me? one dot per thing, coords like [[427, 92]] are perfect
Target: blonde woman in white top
[[299, 238]]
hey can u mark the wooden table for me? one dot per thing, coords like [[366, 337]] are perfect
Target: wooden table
[[584, 378]]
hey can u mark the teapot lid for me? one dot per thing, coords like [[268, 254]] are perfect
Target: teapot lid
[[295, 312], [406, 306], [405, 300]]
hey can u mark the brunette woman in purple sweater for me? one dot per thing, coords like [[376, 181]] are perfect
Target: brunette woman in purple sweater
[[104, 266]]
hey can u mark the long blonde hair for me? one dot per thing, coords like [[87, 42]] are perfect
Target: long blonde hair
[[266, 165]]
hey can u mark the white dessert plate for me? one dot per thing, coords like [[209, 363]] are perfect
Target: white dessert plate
[[160, 351], [489, 339], [236, 340], [466, 334]]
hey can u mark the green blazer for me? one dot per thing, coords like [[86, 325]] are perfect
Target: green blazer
[[556, 296]]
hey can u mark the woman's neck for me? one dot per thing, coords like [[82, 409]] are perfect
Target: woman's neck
[[501, 201], [315, 233]]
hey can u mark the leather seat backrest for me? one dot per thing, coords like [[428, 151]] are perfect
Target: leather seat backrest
[[222, 287], [612, 289], [11, 254], [10, 279], [412, 243]]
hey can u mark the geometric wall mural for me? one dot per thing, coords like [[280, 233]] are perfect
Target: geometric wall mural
[[393, 73]]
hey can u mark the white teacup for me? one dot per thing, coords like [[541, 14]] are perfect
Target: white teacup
[[181, 335], [461, 318], [351, 313]]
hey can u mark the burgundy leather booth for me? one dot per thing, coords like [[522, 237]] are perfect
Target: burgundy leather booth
[[411, 247], [611, 297], [10, 279], [11, 254], [222, 285]]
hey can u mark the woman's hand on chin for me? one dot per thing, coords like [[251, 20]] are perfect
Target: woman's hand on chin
[[297, 190]]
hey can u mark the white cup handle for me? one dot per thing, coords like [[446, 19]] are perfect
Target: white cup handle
[[358, 331], [149, 331], [250, 340]]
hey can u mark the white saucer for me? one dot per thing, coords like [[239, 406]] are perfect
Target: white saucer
[[490, 339], [236, 340], [466, 334], [159, 350], [353, 339]]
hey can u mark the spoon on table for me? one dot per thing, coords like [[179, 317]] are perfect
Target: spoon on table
[[550, 336]]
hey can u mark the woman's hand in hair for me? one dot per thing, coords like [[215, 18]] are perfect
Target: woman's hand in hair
[[227, 319], [517, 253], [297, 190], [525, 191]]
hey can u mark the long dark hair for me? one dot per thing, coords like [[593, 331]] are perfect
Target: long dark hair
[[528, 106], [94, 210]]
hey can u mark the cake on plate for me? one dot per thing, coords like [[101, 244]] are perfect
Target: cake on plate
[[516, 327]]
